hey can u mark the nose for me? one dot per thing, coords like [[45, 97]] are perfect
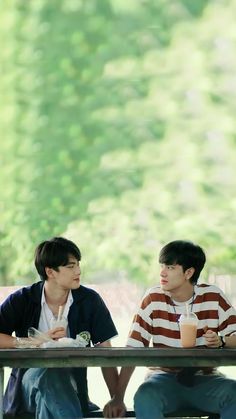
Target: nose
[[78, 269], [163, 271]]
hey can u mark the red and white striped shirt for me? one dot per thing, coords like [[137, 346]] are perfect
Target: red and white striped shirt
[[156, 321]]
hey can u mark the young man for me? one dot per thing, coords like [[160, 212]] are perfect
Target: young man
[[53, 393], [167, 389]]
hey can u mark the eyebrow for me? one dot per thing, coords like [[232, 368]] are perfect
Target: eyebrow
[[73, 262], [168, 263]]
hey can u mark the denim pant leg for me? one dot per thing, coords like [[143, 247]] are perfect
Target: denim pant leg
[[159, 394], [49, 393], [215, 393]]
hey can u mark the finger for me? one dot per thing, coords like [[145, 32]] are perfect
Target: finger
[[211, 340], [110, 411], [211, 337], [213, 344], [105, 412], [122, 413], [115, 412], [210, 334], [58, 329]]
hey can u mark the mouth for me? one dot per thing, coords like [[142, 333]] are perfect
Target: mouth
[[162, 282]]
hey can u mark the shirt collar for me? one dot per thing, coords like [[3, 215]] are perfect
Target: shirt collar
[[68, 302]]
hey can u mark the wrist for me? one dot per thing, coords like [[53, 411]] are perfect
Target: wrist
[[118, 398], [16, 342], [222, 342], [22, 343]]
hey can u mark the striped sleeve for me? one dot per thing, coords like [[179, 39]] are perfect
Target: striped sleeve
[[227, 316], [142, 330]]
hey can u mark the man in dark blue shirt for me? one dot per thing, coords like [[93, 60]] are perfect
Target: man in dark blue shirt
[[41, 390]]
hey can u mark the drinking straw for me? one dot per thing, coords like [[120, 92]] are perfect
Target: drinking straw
[[187, 309], [59, 313]]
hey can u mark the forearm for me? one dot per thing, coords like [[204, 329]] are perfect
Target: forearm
[[116, 386], [110, 375], [7, 341], [230, 341], [124, 377], [213, 340], [116, 407]]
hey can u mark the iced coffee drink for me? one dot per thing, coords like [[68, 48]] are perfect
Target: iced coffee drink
[[188, 329], [55, 322], [59, 321]]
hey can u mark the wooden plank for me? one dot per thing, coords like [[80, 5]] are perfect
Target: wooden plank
[[83, 357], [184, 413], [93, 357]]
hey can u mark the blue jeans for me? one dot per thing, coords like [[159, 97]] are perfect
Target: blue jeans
[[161, 394], [49, 393]]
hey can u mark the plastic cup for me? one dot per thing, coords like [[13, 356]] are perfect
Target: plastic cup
[[62, 322], [188, 330]]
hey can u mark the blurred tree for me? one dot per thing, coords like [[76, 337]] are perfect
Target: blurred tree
[[118, 125]]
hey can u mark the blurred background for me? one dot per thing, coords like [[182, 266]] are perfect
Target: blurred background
[[117, 123], [118, 131]]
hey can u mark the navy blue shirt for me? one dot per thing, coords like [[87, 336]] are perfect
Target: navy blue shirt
[[22, 309]]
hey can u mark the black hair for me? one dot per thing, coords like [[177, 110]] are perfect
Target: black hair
[[54, 253], [186, 254]]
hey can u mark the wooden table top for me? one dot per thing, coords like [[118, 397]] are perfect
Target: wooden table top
[[82, 357]]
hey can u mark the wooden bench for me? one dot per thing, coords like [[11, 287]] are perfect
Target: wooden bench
[[185, 413], [92, 357]]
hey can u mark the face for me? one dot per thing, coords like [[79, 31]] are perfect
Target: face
[[67, 277], [173, 278]]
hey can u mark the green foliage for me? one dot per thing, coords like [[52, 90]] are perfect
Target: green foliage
[[119, 132]]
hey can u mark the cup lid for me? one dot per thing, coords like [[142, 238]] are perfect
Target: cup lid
[[189, 318]]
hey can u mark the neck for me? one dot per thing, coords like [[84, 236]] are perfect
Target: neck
[[182, 295], [55, 296]]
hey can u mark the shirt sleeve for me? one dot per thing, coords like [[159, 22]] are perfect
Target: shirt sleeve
[[142, 327], [227, 316], [11, 313], [102, 326]]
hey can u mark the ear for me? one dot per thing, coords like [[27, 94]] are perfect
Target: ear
[[189, 273], [49, 272]]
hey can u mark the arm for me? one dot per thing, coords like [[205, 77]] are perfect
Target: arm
[[139, 336], [116, 407], [230, 341], [213, 340], [102, 330], [110, 374], [12, 342], [7, 341], [227, 325]]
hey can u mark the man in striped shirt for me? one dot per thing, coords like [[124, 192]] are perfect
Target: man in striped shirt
[[167, 389]]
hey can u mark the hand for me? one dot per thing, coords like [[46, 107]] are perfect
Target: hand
[[57, 333], [26, 342], [212, 340], [115, 408]]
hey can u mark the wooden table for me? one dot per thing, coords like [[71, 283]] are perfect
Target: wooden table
[[104, 357]]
